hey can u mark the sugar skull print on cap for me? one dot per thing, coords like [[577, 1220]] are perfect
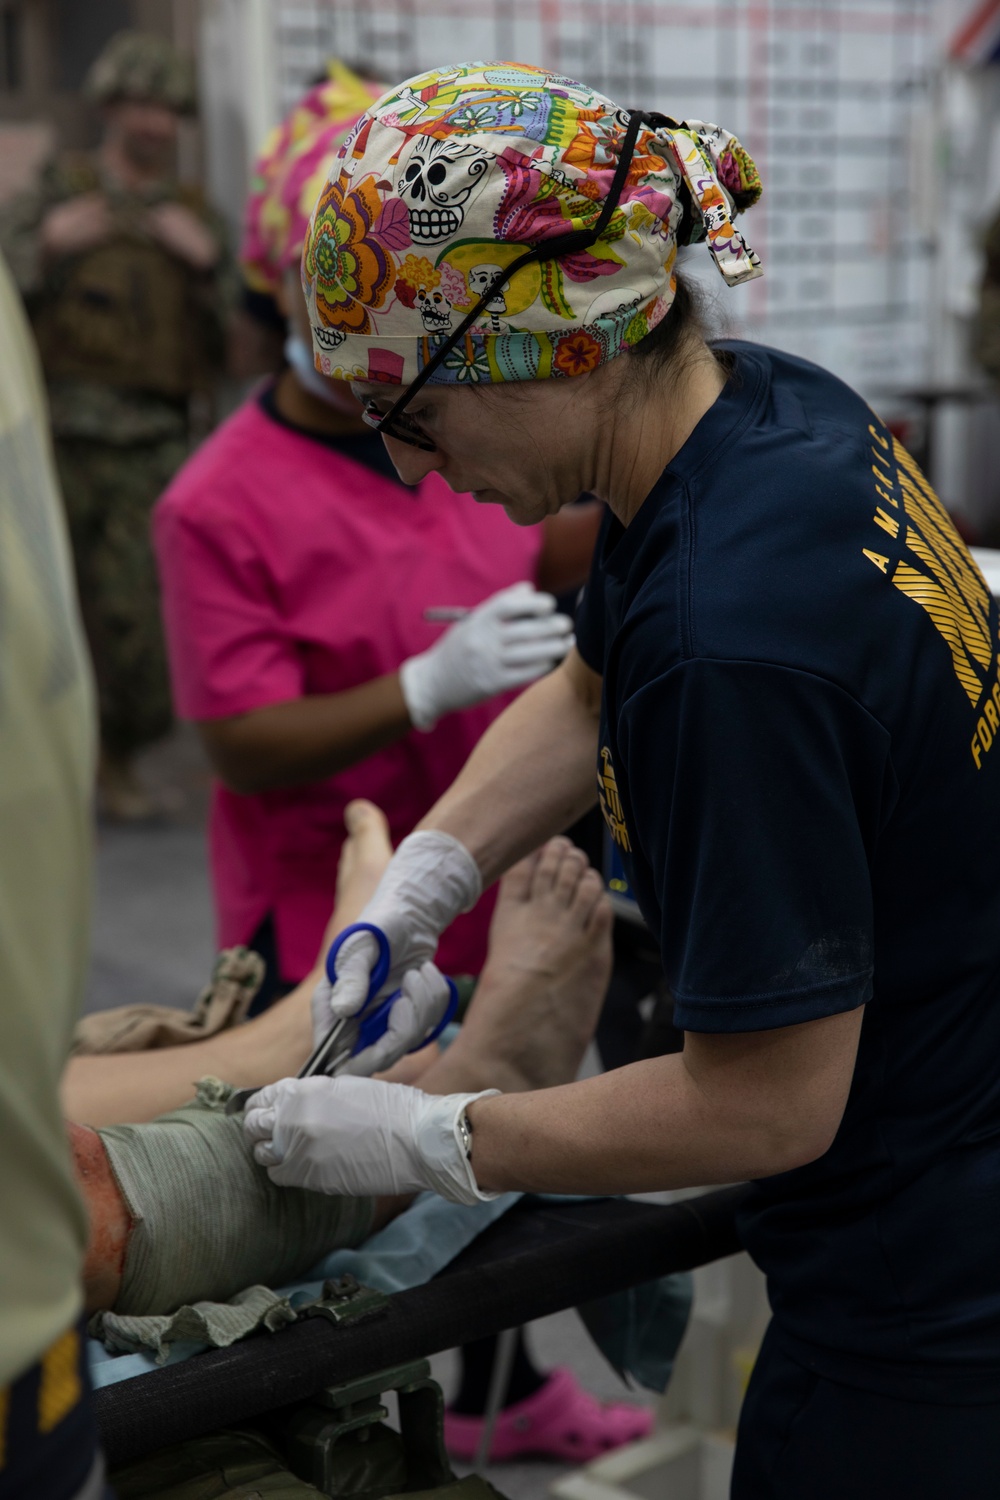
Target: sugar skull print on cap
[[451, 177]]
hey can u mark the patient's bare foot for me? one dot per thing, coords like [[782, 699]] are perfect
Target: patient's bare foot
[[278, 1042], [546, 975], [109, 1219], [366, 852]]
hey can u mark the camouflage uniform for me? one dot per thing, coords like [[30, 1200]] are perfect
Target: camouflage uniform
[[127, 333]]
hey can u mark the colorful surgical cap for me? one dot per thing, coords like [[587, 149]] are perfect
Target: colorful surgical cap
[[291, 171], [451, 176]]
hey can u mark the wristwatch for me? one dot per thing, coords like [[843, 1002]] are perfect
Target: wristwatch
[[465, 1133]]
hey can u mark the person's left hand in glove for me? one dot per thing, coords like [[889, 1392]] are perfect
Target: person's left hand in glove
[[360, 1136], [422, 1001]]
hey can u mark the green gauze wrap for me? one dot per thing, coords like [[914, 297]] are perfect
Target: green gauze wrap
[[208, 1221]]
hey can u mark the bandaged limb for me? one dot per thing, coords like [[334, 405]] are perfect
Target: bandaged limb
[[180, 1213], [179, 1210]]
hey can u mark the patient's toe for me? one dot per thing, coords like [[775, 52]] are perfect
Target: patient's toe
[[516, 884]]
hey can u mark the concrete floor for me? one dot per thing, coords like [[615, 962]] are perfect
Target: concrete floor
[[153, 941], [152, 935]]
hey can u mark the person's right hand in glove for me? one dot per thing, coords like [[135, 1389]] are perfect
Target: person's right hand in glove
[[505, 642], [429, 880]]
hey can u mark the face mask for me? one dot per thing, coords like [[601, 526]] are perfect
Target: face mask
[[333, 392]]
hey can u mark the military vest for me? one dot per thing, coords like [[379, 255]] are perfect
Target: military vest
[[127, 313]]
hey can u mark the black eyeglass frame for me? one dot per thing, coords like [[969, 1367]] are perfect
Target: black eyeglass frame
[[394, 423]]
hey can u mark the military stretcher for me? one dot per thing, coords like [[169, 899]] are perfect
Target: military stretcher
[[540, 1258]]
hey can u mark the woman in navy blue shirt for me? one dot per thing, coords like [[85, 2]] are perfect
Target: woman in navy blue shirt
[[786, 675]]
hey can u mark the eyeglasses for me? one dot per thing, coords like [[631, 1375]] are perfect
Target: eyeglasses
[[395, 423]]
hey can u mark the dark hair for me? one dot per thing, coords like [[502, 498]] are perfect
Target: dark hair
[[666, 351]]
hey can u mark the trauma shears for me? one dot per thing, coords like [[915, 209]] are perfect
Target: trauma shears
[[350, 1035]]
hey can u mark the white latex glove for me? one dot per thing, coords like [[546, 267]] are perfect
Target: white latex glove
[[430, 879], [509, 640], [359, 1137], [422, 1003]]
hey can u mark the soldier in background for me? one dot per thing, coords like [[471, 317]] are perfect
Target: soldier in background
[[127, 282]]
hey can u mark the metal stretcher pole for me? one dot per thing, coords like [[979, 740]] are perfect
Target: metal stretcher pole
[[503, 1363]]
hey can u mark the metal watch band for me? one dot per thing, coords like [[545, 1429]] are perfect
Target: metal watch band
[[465, 1134]]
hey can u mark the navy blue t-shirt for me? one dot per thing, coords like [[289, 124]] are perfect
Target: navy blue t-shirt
[[800, 762]]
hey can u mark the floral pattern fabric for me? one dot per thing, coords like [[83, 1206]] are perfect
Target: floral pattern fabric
[[451, 176], [292, 171]]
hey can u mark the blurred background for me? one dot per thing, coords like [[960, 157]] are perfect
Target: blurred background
[[875, 126], [876, 129]]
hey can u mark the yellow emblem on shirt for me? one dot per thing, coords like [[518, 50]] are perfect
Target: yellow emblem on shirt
[[611, 802], [937, 572]]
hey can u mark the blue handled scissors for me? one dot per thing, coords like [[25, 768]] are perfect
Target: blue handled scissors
[[350, 1035]]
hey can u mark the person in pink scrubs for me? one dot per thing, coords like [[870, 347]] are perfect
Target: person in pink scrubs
[[298, 575]]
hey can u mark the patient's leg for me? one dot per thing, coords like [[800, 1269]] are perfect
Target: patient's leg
[[142, 1085], [180, 1212], [151, 1247], [110, 1220]]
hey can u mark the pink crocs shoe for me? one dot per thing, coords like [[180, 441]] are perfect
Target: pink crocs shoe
[[560, 1421]]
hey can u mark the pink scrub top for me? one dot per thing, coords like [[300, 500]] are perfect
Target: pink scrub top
[[290, 568]]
